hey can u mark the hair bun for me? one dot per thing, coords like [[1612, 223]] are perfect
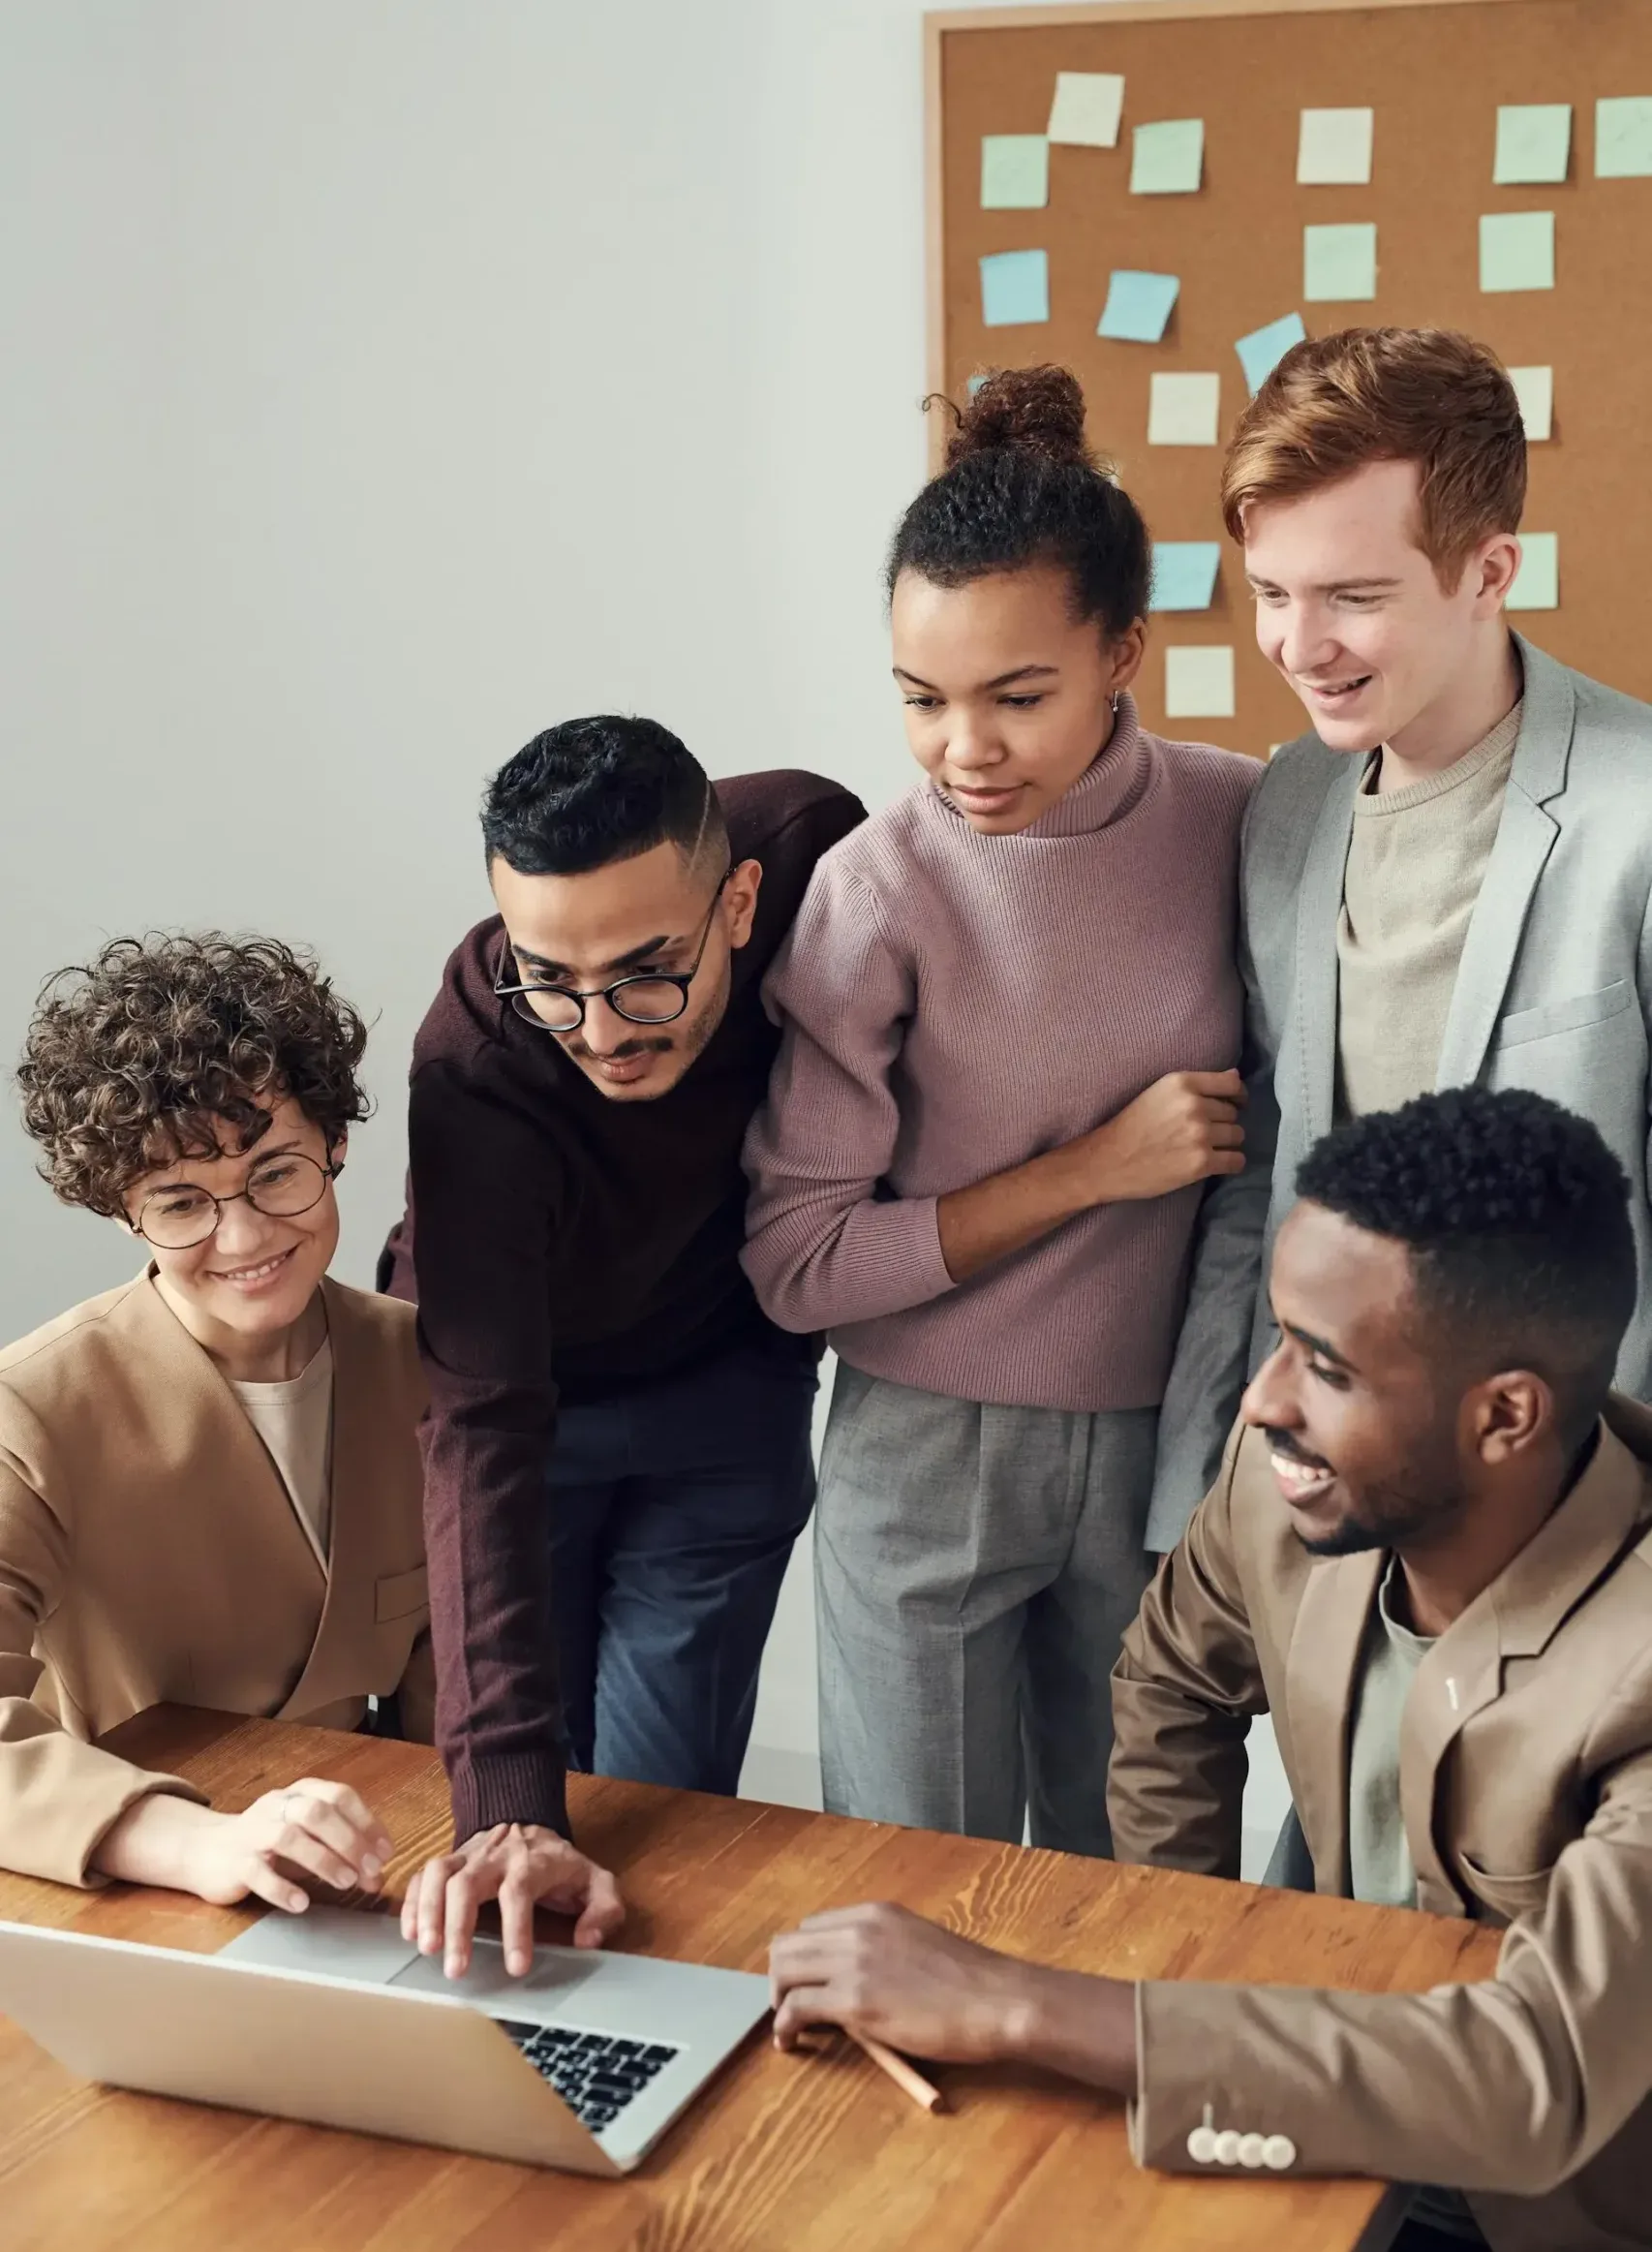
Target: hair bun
[[1039, 408]]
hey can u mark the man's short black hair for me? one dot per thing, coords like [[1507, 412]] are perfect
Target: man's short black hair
[[1516, 1218], [591, 791]]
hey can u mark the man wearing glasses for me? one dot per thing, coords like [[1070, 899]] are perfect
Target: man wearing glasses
[[617, 1450]]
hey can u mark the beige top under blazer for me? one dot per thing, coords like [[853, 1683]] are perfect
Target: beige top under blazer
[[150, 1553], [1525, 1786]]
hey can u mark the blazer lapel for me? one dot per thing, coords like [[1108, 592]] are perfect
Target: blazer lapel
[[1318, 909], [1320, 1676], [1525, 838], [187, 1373], [220, 1469], [1516, 1617], [349, 1562]]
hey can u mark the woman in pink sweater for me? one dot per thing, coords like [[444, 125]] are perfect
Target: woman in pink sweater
[[1011, 1015]]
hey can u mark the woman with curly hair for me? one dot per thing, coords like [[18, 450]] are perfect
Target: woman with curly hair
[[209, 1477], [1011, 1013]]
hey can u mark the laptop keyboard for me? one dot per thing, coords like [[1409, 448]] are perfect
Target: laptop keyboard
[[597, 2075]]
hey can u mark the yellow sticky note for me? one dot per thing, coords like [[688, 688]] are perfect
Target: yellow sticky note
[[1533, 388], [1537, 582], [1183, 409], [1199, 683], [1086, 109], [1333, 148]]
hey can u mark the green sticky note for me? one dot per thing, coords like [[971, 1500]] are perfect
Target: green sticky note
[[1014, 171], [1537, 582], [1534, 143], [1516, 251], [1339, 263], [1622, 137], [1168, 158]]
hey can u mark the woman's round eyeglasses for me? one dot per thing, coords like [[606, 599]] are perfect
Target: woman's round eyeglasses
[[175, 1218], [654, 996]]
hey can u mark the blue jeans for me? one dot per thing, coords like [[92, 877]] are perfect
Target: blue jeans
[[673, 1507]]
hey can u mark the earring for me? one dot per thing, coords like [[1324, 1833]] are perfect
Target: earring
[[1116, 703]]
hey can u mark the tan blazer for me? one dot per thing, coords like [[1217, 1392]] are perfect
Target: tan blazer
[[149, 1553], [1526, 1788]]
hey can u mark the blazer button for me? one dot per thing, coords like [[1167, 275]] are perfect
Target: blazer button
[[1252, 2150], [1228, 2146], [1278, 2152], [1201, 2146]]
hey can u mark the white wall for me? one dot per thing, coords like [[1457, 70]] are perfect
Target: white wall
[[382, 381]]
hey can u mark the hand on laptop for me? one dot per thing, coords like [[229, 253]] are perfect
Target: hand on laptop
[[312, 1830], [518, 1864]]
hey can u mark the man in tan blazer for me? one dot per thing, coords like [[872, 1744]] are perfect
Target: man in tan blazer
[[1429, 1556], [210, 1487]]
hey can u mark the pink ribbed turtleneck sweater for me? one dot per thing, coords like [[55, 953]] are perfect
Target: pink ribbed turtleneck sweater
[[953, 1004]]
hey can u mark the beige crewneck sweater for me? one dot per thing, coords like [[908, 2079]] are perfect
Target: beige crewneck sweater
[[294, 1420], [1416, 862]]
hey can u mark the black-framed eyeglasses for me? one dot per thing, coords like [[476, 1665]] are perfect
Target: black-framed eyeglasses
[[654, 997], [281, 1187]]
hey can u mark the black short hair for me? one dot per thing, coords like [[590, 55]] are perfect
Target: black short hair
[[595, 791], [1021, 488], [1516, 1218]]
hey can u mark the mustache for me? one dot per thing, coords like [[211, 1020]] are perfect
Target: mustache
[[1282, 1443], [626, 1050]]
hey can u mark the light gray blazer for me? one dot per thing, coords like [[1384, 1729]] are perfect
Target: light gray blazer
[[1553, 993]]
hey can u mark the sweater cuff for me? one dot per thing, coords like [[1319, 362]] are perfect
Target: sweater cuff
[[522, 1786]]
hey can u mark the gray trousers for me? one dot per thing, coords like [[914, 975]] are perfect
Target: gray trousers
[[974, 1569]]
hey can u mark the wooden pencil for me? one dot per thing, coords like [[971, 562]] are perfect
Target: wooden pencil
[[901, 2072]]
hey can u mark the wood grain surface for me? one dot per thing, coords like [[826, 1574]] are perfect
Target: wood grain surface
[[813, 2153]]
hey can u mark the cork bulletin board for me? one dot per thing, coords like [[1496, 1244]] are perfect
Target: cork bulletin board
[[1435, 73]]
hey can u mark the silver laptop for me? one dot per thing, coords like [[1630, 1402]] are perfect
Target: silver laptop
[[332, 2017]]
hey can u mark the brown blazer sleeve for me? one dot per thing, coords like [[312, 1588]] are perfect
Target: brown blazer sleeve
[[1511, 2086], [57, 1794], [1185, 1690]]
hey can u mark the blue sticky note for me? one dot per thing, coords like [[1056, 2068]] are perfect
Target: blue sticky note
[[1516, 251], [1014, 171], [1261, 351], [1185, 573], [975, 383], [1015, 287], [1138, 306]]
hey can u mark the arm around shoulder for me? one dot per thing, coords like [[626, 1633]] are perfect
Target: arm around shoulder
[[1212, 1354]]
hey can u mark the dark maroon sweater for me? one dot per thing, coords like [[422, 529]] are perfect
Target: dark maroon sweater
[[562, 1244]]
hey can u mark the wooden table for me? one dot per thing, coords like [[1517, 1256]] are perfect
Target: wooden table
[[815, 2154]]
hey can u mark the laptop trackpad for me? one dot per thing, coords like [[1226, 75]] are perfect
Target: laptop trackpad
[[540, 1997], [368, 1947]]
